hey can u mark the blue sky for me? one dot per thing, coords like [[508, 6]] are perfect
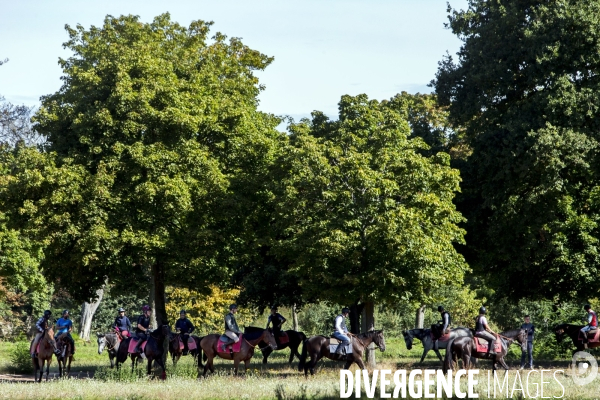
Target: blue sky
[[323, 49]]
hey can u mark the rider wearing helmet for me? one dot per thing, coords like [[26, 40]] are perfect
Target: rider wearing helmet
[[483, 330], [231, 327], [122, 324], [444, 324], [341, 331], [41, 325], [142, 328], [185, 327], [277, 320], [592, 323], [64, 326]]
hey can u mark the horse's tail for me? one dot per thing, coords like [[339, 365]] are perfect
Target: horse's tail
[[302, 336], [303, 355]]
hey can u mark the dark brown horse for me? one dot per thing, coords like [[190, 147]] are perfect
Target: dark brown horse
[[176, 352], [573, 331], [47, 347], [64, 356], [208, 344], [295, 340], [465, 348], [317, 347], [154, 350]]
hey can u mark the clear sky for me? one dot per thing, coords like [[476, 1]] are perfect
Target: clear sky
[[323, 49]]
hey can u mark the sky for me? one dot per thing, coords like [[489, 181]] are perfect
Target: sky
[[323, 49]]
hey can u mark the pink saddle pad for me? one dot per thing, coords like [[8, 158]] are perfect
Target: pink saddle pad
[[132, 343], [596, 337], [482, 345], [236, 346], [284, 338], [191, 344], [444, 338]]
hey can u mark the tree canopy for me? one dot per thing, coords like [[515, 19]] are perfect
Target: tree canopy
[[525, 89]]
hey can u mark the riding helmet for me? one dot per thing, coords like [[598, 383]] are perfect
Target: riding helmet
[[440, 308], [47, 313], [482, 310], [345, 310], [182, 312], [231, 307], [65, 312], [274, 308], [587, 307], [146, 308], [121, 309]]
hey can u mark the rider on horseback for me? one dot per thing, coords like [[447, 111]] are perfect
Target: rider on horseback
[[277, 320], [483, 330], [341, 331], [592, 320], [65, 326], [231, 327], [41, 325], [185, 327], [443, 324], [141, 330], [122, 324]]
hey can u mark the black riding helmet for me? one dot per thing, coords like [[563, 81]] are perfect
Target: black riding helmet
[[482, 310], [231, 307], [587, 307], [345, 310], [182, 312], [65, 312], [440, 308], [47, 313], [121, 309], [273, 308]]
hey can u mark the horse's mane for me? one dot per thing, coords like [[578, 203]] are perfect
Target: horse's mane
[[511, 332], [253, 335], [368, 334]]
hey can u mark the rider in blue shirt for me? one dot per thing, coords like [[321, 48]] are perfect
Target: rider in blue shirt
[[185, 328], [64, 326]]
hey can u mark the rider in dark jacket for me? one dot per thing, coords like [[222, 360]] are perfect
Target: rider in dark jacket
[[277, 320], [122, 324], [142, 327], [443, 324], [185, 327], [41, 325]]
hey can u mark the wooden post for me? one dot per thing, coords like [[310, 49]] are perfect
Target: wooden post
[[294, 318], [420, 317]]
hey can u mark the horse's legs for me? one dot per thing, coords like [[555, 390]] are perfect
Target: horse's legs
[[48, 368], [149, 368], [236, 364], [112, 361], [246, 365], [503, 363], [360, 363], [438, 354], [348, 364], [425, 351], [69, 365], [266, 353]]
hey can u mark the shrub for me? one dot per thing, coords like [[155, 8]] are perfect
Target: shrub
[[20, 358]]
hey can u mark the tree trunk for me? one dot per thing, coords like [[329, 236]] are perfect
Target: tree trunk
[[294, 318], [355, 317], [158, 286], [87, 314], [369, 324], [420, 317], [151, 301]]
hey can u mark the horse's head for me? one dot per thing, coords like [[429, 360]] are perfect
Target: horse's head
[[559, 332], [101, 342], [522, 339], [165, 330], [49, 336], [270, 339], [379, 339], [408, 339]]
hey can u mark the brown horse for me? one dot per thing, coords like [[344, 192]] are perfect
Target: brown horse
[[64, 356], [466, 349], [573, 331], [317, 347], [47, 346], [177, 352], [208, 344]]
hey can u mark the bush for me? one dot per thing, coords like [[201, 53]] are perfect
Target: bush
[[20, 358]]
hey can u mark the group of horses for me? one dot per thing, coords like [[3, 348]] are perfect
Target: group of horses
[[459, 344], [314, 349], [47, 347]]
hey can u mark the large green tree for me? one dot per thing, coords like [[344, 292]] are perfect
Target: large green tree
[[525, 87], [154, 139], [360, 213]]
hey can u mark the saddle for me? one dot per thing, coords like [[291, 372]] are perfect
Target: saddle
[[283, 339], [191, 344], [333, 345], [444, 338], [133, 343], [482, 345], [230, 347], [593, 336]]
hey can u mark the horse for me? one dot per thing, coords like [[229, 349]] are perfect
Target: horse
[[177, 352], [317, 347], [111, 342], [424, 335], [295, 339], [573, 331], [64, 356], [47, 347], [465, 348], [208, 344]]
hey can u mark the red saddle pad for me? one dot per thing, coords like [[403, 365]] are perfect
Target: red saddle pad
[[132, 343], [482, 345], [236, 346], [444, 338], [284, 338], [595, 339]]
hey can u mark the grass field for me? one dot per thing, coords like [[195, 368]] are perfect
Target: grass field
[[91, 379]]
